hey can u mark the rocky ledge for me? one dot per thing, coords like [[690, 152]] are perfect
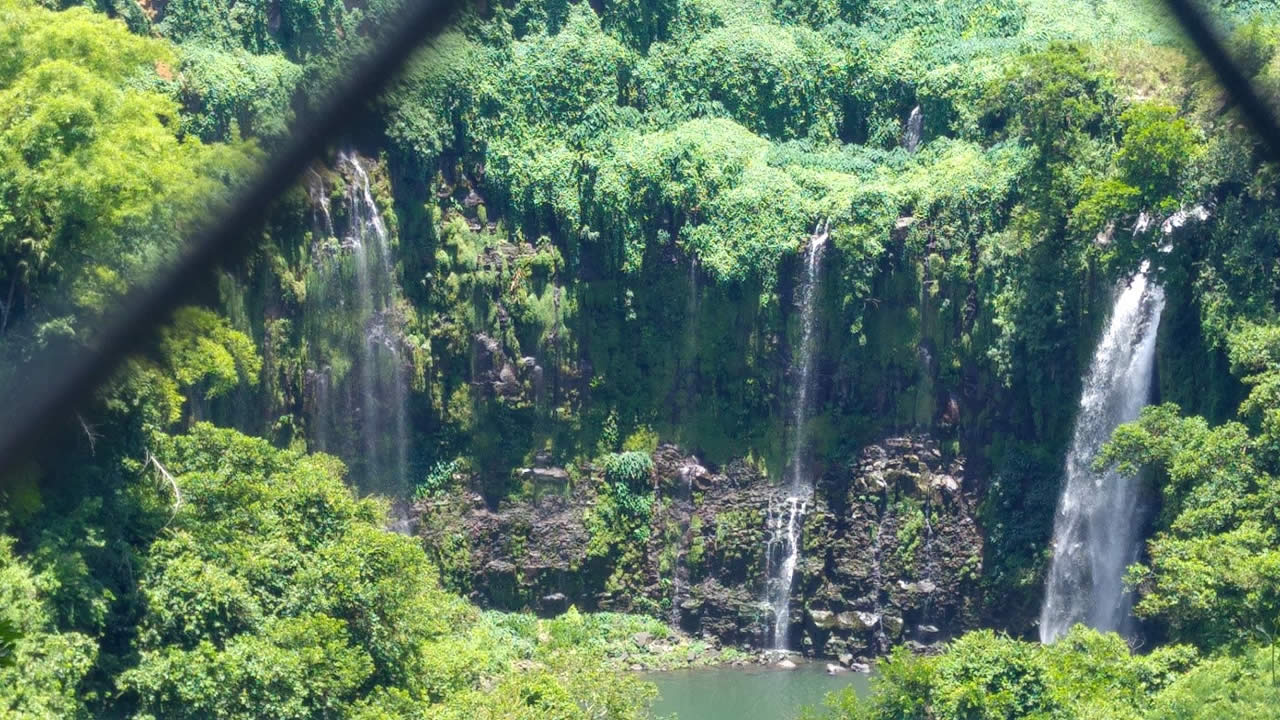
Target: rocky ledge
[[890, 551]]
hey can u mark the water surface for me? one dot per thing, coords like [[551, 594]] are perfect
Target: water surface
[[750, 693]]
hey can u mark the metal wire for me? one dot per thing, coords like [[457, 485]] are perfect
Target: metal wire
[[1257, 113], [67, 382]]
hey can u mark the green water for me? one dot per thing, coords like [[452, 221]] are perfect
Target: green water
[[752, 693]]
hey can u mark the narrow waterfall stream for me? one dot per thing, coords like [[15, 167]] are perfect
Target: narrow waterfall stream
[[1095, 529], [915, 130], [785, 520]]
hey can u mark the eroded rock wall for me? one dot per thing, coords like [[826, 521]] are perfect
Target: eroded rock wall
[[891, 553]]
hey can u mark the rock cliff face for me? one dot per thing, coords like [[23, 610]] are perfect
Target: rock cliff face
[[891, 551]]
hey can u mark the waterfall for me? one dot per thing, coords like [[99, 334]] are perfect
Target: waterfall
[[361, 416], [383, 386], [1095, 529], [915, 129], [784, 542], [782, 551], [684, 511]]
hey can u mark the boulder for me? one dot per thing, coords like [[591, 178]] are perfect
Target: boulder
[[555, 603], [860, 667], [785, 664], [857, 620], [944, 485], [892, 625], [846, 659], [833, 669], [824, 619], [642, 639]]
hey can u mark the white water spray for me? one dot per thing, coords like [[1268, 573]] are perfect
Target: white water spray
[[1095, 529]]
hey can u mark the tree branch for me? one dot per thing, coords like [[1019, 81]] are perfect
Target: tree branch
[[177, 494]]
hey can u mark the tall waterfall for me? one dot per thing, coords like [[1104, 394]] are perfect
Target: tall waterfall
[[359, 415], [1095, 530], [785, 520]]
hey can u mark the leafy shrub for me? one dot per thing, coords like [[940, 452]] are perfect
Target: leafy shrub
[[631, 469], [437, 480]]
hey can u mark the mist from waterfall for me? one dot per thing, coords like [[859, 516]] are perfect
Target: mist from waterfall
[[784, 521], [1095, 534]]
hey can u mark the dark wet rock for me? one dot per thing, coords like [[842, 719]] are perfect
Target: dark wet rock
[[554, 604], [900, 549], [824, 619], [892, 625]]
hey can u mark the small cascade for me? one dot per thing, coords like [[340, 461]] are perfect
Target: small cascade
[[915, 130], [358, 385], [782, 552], [1095, 529], [684, 509]]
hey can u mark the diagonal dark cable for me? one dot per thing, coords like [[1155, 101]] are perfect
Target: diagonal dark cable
[[1257, 113], [68, 384]]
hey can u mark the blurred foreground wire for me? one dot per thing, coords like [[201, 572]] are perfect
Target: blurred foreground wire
[[1195, 22], [62, 383]]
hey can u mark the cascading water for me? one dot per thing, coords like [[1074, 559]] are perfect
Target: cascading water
[[370, 403], [782, 552], [1095, 529], [914, 131], [382, 375], [784, 543]]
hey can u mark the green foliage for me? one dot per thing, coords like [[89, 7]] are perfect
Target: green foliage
[[1084, 676], [44, 668], [97, 183], [1229, 686], [632, 469], [204, 352], [739, 223], [1213, 570], [233, 93], [778, 82], [9, 636], [910, 536], [672, 159], [1156, 148], [438, 480], [273, 590]]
